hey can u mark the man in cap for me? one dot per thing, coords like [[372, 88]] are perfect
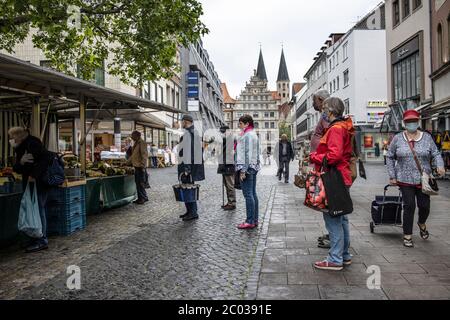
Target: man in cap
[[191, 167]]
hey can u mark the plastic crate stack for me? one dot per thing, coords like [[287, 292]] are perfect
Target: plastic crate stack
[[66, 210]]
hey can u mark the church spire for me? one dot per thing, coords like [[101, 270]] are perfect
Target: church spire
[[261, 71], [283, 74]]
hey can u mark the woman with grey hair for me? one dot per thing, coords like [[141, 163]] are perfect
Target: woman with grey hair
[[336, 147], [32, 161]]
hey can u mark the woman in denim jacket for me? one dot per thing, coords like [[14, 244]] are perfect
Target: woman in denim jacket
[[248, 164]]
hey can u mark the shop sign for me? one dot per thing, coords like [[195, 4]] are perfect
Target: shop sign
[[377, 104], [374, 116], [193, 106]]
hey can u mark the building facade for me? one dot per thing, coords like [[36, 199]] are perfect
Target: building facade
[[357, 75], [204, 96], [262, 104], [408, 45], [229, 105]]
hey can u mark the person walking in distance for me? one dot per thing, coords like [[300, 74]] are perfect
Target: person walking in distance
[[285, 156], [191, 166], [227, 168], [139, 159]]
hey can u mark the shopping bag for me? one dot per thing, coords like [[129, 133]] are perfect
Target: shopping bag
[[338, 196], [29, 218], [315, 197]]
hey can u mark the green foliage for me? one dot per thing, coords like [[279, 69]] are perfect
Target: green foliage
[[138, 40], [284, 128]]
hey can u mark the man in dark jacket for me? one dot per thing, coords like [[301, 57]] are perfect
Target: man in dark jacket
[[32, 161], [285, 156], [191, 167], [227, 167]]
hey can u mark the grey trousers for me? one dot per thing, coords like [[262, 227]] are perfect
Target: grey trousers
[[228, 181]]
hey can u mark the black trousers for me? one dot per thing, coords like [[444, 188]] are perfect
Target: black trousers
[[410, 195], [140, 179], [284, 167]]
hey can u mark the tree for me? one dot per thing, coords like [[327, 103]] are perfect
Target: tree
[[285, 128], [140, 37]]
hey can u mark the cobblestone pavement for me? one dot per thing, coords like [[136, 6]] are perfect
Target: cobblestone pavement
[[291, 249], [146, 251]]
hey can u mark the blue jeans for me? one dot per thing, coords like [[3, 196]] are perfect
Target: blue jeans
[[251, 199], [339, 231]]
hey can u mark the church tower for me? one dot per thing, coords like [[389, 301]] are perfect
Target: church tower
[[283, 82]]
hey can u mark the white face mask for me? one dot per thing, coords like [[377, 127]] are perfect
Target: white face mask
[[13, 143]]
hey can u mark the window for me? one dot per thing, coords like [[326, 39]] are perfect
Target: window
[[272, 125], [284, 95], [346, 78], [266, 125], [347, 106], [440, 50], [448, 40], [395, 12], [272, 114], [345, 51], [407, 77], [337, 58], [416, 4], [284, 86], [266, 114], [331, 87], [406, 8], [337, 83], [161, 94], [330, 66], [256, 115], [256, 125], [334, 85], [334, 61]]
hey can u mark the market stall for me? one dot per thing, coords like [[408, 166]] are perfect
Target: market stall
[[37, 98]]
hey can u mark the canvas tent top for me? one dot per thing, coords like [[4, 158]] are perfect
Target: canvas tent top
[[20, 81]]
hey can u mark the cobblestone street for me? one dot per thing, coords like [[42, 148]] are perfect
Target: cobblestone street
[[148, 253]]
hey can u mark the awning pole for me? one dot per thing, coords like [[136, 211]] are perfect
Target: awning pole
[[83, 135], [36, 118]]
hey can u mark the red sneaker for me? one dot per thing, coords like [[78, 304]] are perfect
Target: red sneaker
[[325, 265], [246, 225]]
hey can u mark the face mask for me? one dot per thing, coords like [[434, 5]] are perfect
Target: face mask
[[412, 127], [326, 117], [13, 143]]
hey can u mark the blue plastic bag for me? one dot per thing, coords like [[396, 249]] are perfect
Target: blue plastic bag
[[29, 218]]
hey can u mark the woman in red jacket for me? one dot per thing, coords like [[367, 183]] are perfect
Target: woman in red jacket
[[336, 146]]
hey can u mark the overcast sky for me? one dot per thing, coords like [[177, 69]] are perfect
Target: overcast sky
[[238, 26]]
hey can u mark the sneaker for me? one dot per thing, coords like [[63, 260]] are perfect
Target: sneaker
[[190, 217], [325, 265], [36, 246], [324, 237], [229, 207], [140, 201], [347, 262], [246, 225], [325, 244]]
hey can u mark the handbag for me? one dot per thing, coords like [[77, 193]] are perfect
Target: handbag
[[315, 197], [29, 218], [54, 176], [338, 196], [362, 170], [429, 184], [300, 177]]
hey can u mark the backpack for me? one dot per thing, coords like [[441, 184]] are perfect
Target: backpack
[[54, 176]]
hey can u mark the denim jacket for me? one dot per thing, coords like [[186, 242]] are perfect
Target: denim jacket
[[247, 151]]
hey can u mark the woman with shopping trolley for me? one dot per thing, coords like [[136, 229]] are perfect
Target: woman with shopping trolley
[[411, 160]]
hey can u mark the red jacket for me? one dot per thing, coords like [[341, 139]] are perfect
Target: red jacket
[[336, 146]]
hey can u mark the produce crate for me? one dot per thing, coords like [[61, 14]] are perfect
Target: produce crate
[[66, 211], [67, 195], [66, 227]]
